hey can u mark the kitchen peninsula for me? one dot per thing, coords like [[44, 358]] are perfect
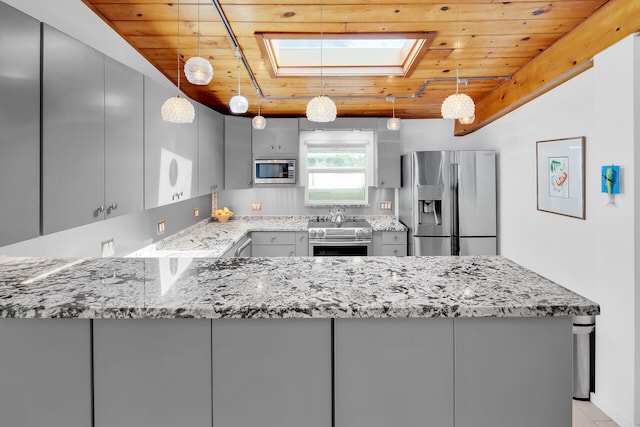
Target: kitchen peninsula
[[362, 341]]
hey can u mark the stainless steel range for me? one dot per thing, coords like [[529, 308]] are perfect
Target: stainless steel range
[[351, 238]]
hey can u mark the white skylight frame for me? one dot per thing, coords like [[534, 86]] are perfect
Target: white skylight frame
[[397, 54]]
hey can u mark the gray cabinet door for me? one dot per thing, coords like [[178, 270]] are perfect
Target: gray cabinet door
[[278, 138], [210, 150], [513, 372], [171, 151], [152, 372], [389, 152], [72, 132], [274, 373], [237, 153], [393, 372], [124, 139], [20, 126], [45, 372]]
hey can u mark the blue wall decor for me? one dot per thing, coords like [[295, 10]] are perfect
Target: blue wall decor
[[611, 179]]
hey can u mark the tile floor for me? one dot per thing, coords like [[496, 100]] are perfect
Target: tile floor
[[586, 414]]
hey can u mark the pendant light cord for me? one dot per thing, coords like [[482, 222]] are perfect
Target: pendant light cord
[[457, 41], [178, 47], [321, 50], [238, 71], [198, 28]]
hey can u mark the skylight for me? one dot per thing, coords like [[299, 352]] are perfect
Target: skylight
[[343, 54]]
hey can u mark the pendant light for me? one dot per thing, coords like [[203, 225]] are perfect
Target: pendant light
[[458, 105], [393, 123], [198, 70], [258, 122], [238, 103], [321, 108], [176, 109]]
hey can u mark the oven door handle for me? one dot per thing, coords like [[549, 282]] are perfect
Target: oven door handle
[[329, 242]]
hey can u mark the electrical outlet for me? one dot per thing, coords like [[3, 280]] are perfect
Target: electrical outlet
[[107, 248], [256, 206], [161, 227], [196, 212], [385, 206]]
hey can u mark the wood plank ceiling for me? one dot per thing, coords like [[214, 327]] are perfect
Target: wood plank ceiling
[[496, 39]]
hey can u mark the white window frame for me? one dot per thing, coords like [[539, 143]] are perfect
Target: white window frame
[[340, 140]]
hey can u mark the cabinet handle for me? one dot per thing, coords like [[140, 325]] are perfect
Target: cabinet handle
[[271, 147], [273, 239], [100, 209], [279, 147], [395, 237], [291, 253], [381, 182]]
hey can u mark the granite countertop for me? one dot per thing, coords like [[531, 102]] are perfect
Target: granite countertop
[[213, 239], [307, 287]]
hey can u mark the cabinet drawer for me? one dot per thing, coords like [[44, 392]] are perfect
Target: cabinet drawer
[[273, 250], [394, 250], [274, 238], [394, 237]]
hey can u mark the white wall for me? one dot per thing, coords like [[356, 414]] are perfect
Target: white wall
[[594, 257], [636, 73]]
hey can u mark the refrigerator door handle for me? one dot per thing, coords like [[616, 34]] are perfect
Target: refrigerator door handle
[[455, 224]]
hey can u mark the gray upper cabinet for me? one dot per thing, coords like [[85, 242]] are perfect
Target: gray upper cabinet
[[237, 153], [210, 150], [389, 152], [72, 132], [124, 140], [20, 126], [171, 151], [279, 137]]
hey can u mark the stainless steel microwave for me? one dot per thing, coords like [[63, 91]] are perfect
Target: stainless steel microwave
[[274, 171]]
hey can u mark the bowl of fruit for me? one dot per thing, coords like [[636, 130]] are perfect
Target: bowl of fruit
[[222, 215]]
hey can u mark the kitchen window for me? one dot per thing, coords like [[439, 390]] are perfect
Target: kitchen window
[[336, 167]]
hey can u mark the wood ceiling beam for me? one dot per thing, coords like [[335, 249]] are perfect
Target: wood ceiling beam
[[565, 59]]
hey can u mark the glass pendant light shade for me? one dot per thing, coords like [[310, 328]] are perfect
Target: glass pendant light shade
[[177, 110], [393, 123], [321, 109], [258, 122], [467, 120], [198, 70], [239, 104], [458, 106]]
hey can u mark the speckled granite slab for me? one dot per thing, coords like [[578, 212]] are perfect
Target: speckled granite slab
[[212, 239], [280, 287]]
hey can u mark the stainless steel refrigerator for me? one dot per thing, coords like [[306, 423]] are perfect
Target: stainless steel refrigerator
[[448, 201]]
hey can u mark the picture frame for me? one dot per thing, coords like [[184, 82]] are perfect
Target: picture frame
[[560, 176]]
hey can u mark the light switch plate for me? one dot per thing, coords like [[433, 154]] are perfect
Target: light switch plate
[[107, 248], [386, 206], [160, 227], [256, 206], [196, 212]]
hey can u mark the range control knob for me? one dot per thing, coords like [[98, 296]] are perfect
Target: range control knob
[[312, 233], [360, 233], [320, 233]]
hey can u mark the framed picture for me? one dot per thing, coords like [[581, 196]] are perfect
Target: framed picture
[[560, 173]]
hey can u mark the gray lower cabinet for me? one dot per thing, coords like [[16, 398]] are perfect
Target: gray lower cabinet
[[171, 151], [237, 153], [393, 372], [271, 373], [72, 132], [152, 373], [389, 152], [124, 140], [279, 137], [210, 150], [390, 243], [513, 372], [273, 243], [45, 374], [20, 126], [302, 243]]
